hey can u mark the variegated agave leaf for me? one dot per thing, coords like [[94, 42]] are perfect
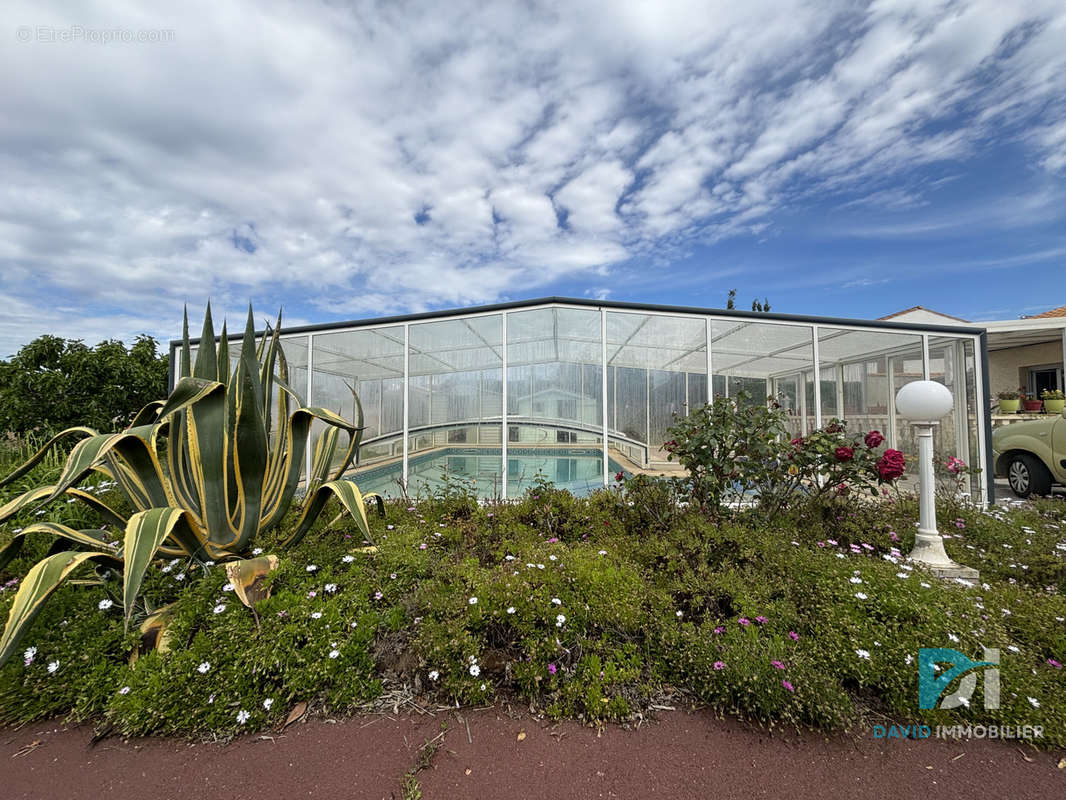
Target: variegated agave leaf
[[43, 579], [156, 633], [248, 578]]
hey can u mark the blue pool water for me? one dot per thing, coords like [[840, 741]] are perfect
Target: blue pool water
[[578, 470]]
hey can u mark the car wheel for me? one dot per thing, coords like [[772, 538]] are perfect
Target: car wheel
[[1026, 476]]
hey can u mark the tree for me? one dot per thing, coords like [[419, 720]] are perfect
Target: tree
[[54, 383], [731, 302]]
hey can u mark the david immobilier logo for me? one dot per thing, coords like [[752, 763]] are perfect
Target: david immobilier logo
[[934, 678]]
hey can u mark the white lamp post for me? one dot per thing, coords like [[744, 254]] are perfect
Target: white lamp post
[[924, 403]]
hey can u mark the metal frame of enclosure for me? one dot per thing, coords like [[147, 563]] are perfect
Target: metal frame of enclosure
[[502, 385]]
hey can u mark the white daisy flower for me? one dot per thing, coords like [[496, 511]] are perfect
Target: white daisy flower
[[243, 716], [433, 674], [475, 670], [204, 667], [52, 666], [104, 605], [220, 608], [268, 703], [863, 654]]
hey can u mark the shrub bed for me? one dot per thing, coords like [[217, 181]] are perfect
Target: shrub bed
[[591, 608]]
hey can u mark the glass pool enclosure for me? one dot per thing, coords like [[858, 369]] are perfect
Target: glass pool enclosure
[[578, 390]]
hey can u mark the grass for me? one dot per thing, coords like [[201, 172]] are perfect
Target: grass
[[592, 609]]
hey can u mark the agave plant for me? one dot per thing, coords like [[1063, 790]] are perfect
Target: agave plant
[[205, 472]]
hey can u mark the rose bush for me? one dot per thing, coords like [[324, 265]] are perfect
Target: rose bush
[[736, 450]]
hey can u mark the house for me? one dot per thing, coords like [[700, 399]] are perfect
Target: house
[[1029, 352]]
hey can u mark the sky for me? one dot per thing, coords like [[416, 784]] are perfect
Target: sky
[[344, 160]]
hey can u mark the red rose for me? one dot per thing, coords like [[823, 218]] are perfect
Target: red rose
[[890, 466], [844, 453], [834, 427], [874, 439], [797, 442], [619, 476]]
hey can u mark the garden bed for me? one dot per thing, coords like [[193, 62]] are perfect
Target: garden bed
[[591, 609]]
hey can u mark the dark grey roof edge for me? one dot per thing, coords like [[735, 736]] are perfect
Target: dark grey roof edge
[[955, 330]]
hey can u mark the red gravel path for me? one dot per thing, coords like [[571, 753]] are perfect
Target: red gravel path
[[683, 755]]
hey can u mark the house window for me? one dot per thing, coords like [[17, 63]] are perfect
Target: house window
[[1043, 378]]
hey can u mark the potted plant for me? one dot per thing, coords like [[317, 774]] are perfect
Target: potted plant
[[1033, 405], [1054, 400], [1009, 401]]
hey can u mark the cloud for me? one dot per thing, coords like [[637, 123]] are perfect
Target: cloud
[[369, 158]]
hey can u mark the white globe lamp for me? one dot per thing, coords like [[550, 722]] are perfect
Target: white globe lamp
[[924, 403]]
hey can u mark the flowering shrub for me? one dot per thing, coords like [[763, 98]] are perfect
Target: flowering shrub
[[807, 620], [729, 447], [733, 449]]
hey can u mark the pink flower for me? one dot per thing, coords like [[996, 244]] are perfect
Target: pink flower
[[891, 465], [893, 536], [552, 669], [744, 621], [777, 664], [955, 465], [761, 620], [720, 629], [719, 665], [820, 544], [793, 636], [553, 540], [788, 686], [1054, 663]]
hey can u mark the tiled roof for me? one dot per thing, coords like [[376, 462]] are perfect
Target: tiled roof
[[1055, 312], [922, 308]]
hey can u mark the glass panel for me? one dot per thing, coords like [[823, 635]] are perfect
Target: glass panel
[[863, 370], [656, 370], [748, 356], [951, 362], [456, 404], [906, 367], [788, 395], [371, 362], [555, 399]]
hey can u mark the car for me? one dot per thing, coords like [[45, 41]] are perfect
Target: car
[[1031, 454]]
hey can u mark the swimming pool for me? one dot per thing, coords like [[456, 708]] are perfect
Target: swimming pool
[[578, 470]]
